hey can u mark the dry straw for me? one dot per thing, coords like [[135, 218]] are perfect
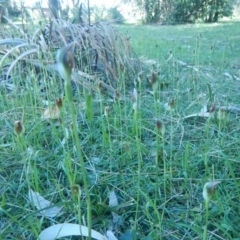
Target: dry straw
[[100, 52]]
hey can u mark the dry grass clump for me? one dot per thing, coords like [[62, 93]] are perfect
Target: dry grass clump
[[102, 55]]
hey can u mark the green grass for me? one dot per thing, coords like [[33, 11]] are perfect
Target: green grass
[[158, 178]]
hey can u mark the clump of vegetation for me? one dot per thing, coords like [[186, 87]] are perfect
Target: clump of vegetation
[[107, 14], [101, 53], [207, 11], [179, 11], [9, 8]]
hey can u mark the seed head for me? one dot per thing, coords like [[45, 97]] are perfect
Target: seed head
[[18, 128], [140, 76], [76, 190], [222, 114], [65, 60], [160, 126], [212, 108], [59, 103], [106, 111], [121, 68], [135, 99], [171, 103], [117, 95], [209, 189], [154, 79], [100, 86]]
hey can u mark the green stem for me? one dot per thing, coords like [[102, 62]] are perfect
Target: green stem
[[139, 167], [206, 221], [69, 95], [164, 182]]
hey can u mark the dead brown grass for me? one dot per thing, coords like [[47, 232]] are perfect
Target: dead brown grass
[[102, 55]]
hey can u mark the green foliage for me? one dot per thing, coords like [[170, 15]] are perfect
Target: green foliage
[[115, 15], [54, 7], [103, 13], [8, 8], [152, 11], [184, 11], [98, 13]]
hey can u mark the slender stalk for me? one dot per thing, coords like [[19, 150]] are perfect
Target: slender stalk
[[65, 61], [137, 133], [208, 192], [164, 182], [69, 96], [206, 221], [139, 168]]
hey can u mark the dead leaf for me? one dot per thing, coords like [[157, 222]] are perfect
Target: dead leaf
[[113, 202], [68, 229], [203, 113], [51, 113], [110, 235], [41, 203]]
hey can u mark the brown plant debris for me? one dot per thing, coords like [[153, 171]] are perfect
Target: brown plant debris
[[101, 53]]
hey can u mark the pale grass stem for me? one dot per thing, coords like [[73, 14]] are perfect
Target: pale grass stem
[[65, 61]]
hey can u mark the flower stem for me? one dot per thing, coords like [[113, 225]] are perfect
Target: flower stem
[[206, 221], [69, 96]]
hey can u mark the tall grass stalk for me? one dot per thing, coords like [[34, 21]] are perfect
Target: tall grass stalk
[[164, 179], [21, 146], [160, 139], [158, 132], [207, 146], [109, 139], [68, 90], [171, 158], [208, 192], [206, 220], [65, 64], [137, 132]]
